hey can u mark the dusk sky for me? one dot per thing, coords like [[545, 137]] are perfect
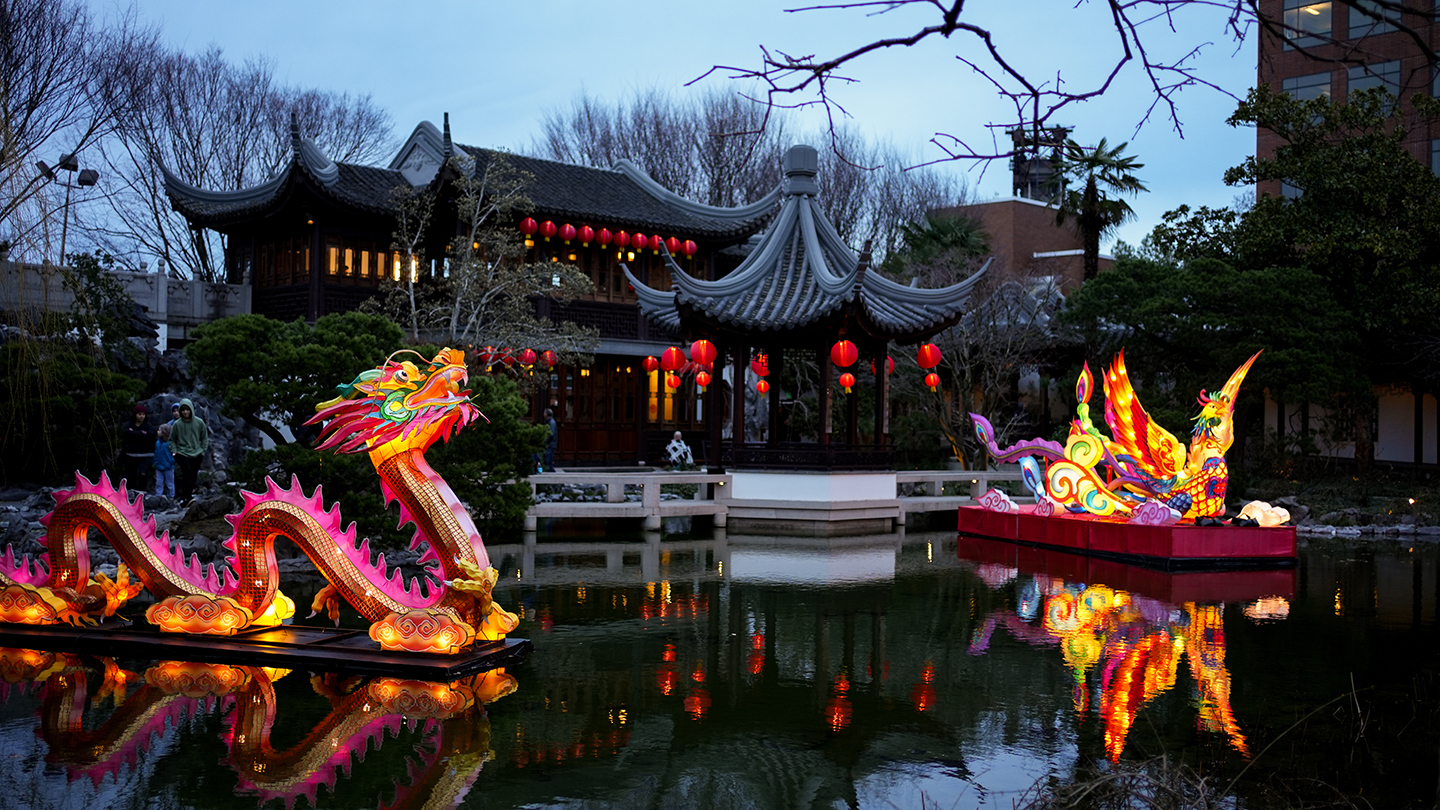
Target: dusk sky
[[498, 68]]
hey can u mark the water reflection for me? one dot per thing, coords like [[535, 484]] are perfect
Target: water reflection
[[665, 674], [1124, 648], [448, 719]]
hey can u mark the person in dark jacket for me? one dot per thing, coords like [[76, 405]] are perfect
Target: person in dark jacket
[[189, 441], [137, 448]]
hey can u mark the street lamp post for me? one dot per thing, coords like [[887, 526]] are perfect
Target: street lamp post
[[86, 177]]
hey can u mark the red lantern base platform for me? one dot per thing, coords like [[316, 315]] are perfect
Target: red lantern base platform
[[1174, 587], [328, 649], [1176, 547]]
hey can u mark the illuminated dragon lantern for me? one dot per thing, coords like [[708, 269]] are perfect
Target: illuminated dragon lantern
[[1141, 470], [393, 413]]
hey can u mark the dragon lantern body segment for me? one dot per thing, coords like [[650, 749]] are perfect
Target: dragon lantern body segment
[[1140, 461], [393, 413]]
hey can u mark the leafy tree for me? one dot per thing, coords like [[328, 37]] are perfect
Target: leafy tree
[[1098, 208], [272, 374], [1186, 326], [1365, 221]]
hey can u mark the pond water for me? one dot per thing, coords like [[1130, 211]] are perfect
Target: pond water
[[919, 670]]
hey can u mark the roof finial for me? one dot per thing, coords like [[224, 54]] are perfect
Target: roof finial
[[294, 133], [800, 164], [449, 145]]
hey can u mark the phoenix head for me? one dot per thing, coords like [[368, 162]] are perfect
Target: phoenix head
[[1216, 410]]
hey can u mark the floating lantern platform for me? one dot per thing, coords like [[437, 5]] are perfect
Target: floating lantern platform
[[325, 649], [1173, 547]]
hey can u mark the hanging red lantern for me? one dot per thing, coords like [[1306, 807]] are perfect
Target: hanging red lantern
[[847, 380], [551, 358], [529, 226], [605, 237], [586, 234], [638, 241], [844, 354], [928, 356], [656, 242], [486, 355], [672, 359], [527, 358], [650, 364], [567, 232], [933, 381], [889, 365], [763, 387], [622, 239], [689, 248], [547, 229], [506, 356], [703, 352], [760, 364], [672, 381], [673, 245], [702, 379]]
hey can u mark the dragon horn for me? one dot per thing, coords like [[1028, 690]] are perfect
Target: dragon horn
[[1232, 386]]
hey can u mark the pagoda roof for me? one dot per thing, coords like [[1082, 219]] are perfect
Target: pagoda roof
[[802, 274], [623, 196], [626, 196], [367, 188]]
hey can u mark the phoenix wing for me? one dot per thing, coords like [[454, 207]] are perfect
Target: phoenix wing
[[1155, 451]]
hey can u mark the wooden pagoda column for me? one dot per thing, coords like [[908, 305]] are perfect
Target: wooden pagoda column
[[714, 413], [882, 394], [852, 418], [739, 355], [776, 364], [823, 356]]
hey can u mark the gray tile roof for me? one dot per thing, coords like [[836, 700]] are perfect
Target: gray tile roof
[[624, 196], [621, 197], [801, 273]]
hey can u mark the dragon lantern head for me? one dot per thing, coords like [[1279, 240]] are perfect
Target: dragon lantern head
[[1214, 422], [398, 406]]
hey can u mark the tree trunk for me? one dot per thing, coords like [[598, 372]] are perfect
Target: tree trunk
[[1090, 229]]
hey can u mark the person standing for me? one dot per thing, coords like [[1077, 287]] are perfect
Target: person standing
[[553, 441], [137, 443], [164, 463], [189, 439]]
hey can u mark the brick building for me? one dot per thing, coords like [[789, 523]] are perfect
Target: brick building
[[1025, 240], [1329, 49]]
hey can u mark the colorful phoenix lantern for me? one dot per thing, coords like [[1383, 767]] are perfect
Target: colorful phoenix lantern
[[394, 413], [1141, 463]]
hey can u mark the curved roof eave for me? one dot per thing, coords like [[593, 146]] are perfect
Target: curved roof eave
[[244, 198], [956, 294], [738, 215]]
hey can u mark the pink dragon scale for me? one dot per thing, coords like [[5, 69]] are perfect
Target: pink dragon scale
[[394, 413]]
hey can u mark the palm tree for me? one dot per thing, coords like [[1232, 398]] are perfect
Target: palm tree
[[1098, 208], [938, 251]]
